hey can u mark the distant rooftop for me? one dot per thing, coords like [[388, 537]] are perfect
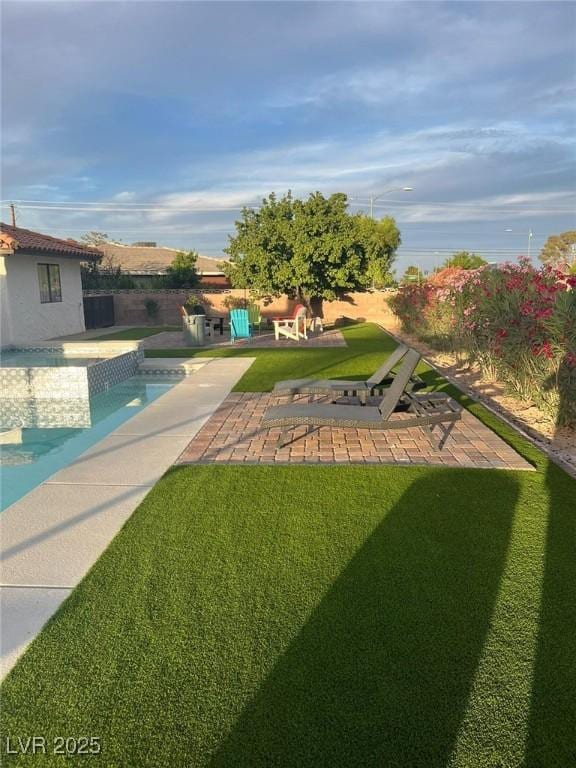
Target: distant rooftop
[[151, 259]]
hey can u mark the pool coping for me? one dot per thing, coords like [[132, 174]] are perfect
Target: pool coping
[[84, 505]]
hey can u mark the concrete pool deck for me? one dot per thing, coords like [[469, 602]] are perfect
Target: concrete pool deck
[[95, 333], [53, 535]]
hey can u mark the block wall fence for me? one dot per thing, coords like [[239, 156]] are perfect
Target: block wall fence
[[129, 305]]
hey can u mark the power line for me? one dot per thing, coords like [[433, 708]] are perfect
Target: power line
[[361, 200], [432, 251], [161, 203], [499, 233], [160, 230], [113, 206], [454, 203], [118, 209]]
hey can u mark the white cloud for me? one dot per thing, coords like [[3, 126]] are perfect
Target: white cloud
[[125, 197], [355, 165], [369, 86], [470, 104]]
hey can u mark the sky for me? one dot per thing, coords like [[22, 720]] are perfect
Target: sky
[[160, 120]]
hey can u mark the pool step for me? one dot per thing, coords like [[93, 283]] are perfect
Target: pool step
[[170, 366]]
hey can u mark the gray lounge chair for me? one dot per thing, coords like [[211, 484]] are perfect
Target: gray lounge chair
[[360, 389], [425, 410]]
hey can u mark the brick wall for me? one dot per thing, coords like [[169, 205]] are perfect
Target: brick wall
[[372, 306], [129, 307]]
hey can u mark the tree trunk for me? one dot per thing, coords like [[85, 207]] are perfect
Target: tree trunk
[[317, 306], [302, 298]]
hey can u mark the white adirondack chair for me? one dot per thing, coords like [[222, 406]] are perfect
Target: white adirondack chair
[[292, 327]]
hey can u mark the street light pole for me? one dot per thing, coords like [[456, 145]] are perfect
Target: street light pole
[[530, 236], [373, 198]]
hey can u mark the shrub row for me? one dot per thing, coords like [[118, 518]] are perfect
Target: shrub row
[[518, 323]]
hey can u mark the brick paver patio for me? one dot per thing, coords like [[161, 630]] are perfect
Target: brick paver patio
[[234, 435], [175, 339]]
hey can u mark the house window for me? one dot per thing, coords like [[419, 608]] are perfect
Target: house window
[[49, 281]]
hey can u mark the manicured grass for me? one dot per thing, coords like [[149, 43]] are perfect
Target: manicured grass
[[133, 334], [322, 616], [367, 347], [305, 616]]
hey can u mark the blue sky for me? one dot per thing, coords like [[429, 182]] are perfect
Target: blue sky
[[209, 106]]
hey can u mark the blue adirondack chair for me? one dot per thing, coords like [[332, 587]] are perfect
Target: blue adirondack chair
[[239, 324]]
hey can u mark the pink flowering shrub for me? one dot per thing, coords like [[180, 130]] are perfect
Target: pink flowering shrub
[[517, 322]]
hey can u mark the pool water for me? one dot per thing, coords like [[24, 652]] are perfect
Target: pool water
[[26, 359], [30, 455]]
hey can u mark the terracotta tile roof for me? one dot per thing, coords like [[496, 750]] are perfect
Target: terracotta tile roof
[[18, 239], [142, 260]]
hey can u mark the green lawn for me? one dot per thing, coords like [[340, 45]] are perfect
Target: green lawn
[[322, 616], [366, 348], [133, 334]]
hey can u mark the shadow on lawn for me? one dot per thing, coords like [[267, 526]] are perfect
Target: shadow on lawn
[[381, 673], [552, 727]]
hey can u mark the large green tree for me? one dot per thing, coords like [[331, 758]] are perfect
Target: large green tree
[[379, 238], [560, 250], [310, 249], [182, 271], [465, 260]]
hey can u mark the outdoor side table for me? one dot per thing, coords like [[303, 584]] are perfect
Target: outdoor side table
[[214, 323]]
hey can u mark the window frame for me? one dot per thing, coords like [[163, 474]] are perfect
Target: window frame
[[49, 276]]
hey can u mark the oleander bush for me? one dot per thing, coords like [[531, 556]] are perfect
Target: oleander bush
[[517, 322]]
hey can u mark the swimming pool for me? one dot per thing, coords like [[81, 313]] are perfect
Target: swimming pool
[[39, 437]]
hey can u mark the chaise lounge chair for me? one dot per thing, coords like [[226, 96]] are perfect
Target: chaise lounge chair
[[360, 389], [425, 410]]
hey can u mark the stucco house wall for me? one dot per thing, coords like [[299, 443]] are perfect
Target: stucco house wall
[[24, 318], [4, 314]]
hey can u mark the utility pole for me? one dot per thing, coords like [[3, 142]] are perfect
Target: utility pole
[[13, 214]]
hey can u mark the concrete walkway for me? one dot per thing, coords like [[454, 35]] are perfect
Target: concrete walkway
[[53, 535]]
